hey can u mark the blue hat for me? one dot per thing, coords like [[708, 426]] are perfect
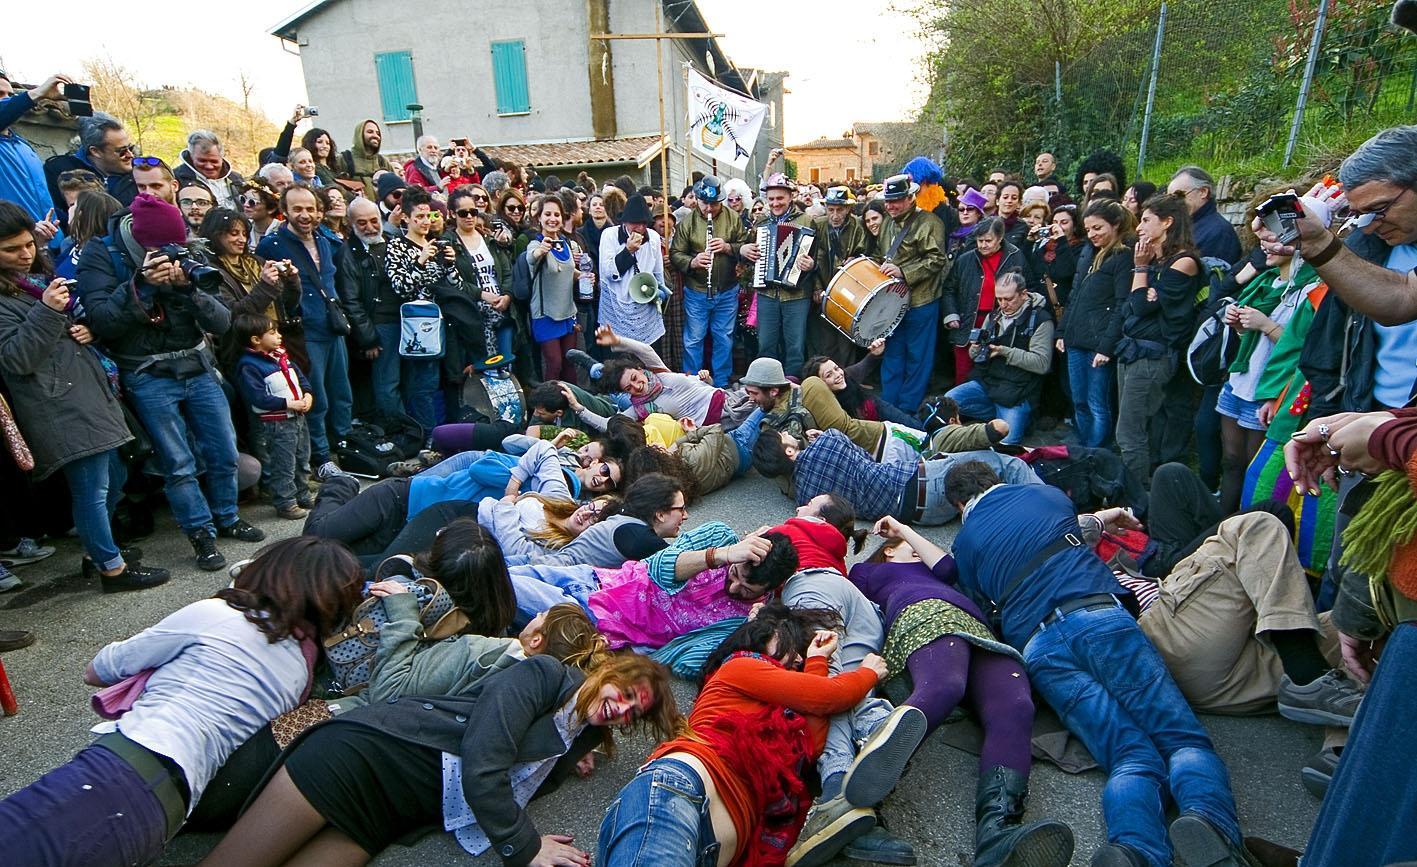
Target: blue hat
[[709, 189]]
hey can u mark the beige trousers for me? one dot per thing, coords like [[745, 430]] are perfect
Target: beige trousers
[[1216, 606]]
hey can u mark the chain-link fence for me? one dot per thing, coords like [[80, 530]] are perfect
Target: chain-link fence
[[1219, 85]]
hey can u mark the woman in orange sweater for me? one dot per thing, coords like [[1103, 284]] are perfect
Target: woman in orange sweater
[[732, 789]]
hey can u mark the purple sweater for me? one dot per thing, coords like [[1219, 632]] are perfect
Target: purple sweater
[[897, 586]]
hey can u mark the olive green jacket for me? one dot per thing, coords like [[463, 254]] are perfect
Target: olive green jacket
[[850, 244], [691, 239], [921, 257]]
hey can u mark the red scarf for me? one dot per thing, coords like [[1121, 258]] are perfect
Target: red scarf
[[990, 266]]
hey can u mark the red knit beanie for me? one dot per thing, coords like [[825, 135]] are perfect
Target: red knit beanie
[[156, 223]]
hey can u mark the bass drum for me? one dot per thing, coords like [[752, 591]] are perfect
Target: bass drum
[[496, 395], [863, 302]]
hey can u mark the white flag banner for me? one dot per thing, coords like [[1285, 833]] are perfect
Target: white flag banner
[[723, 124]]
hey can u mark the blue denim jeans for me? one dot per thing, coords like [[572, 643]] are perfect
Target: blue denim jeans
[[660, 819], [782, 331], [1111, 688], [745, 436], [717, 316], [538, 587], [1092, 397], [910, 357], [175, 413], [333, 411], [95, 487], [974, 402], [1366, 818]]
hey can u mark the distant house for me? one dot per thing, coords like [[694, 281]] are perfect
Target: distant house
[[545, 94], [866, 152]]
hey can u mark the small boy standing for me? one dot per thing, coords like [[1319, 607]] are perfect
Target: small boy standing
[[278, 392]]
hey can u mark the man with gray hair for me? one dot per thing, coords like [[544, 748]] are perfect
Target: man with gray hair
[[202, 163], [422, 170], [103, 148], [1012, 355], [1214, 235], [495, 183], [277, 175]]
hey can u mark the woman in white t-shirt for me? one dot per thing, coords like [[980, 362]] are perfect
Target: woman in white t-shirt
[[486, 273], [184, 694]]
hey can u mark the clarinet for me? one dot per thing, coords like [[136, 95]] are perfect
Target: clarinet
[[708, 245]]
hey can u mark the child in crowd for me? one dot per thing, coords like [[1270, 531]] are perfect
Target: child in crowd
[[278, 392]]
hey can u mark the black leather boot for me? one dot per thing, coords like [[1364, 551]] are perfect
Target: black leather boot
[[1000, 837]]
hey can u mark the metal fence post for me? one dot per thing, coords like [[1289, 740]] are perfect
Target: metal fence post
[[1151, 90], [1308, 79]]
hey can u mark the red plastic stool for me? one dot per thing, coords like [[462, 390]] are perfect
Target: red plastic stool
[[7, 695]]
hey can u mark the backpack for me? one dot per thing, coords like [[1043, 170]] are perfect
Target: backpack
[[400, 429], [367, 451], [420, 330], [351, 651], [1092, 478], [1214, 346]]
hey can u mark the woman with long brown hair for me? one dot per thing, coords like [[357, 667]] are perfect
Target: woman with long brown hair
[[1157, 321], [346, 789], [185, 694], [545, 279]]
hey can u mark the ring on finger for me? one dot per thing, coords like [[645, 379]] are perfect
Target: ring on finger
[[1323, 432], [1333, 452]]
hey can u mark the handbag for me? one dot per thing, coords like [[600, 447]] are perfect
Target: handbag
[[14, 440], [420, 330], [351, 650], [339, 320], [291, 724]]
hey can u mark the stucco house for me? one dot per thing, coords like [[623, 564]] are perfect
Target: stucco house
[[523, 79]]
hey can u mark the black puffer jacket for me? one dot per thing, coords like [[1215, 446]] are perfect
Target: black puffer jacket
[[1092, 321]]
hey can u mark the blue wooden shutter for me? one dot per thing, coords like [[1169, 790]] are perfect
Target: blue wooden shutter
[[396, 88], [509, 74]]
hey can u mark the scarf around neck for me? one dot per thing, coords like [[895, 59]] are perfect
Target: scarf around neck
[[644, 404]]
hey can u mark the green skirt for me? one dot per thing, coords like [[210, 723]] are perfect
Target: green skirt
[[930, 620]]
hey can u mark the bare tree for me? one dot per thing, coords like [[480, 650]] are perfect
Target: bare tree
[[118, 92]]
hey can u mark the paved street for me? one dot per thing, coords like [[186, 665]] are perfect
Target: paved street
[[933, 806]]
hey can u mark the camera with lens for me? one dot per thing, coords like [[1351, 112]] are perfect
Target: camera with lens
[[982, 338], [199, 274]]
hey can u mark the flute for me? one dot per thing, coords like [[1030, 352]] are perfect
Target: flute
[[708, 245]]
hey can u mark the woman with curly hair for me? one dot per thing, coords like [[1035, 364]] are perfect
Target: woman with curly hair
[[345, 790], [735, 783], [183, 695]]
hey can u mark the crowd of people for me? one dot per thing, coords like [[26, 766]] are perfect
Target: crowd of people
[[438, 647]]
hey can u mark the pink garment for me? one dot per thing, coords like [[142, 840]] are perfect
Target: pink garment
[[111, 702], [630, 609]]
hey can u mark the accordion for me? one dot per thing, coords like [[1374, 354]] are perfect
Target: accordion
[[778, 248]]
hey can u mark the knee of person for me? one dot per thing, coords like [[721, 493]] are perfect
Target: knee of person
[[1137, 760], [1172, 474], [1265, 527]]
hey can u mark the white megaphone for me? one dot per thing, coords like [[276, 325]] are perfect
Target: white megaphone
[[643, 288]]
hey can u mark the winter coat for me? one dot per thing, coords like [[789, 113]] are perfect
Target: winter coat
[[62, 399], [1214, 235], [1092, 321], [711, 454], [1017, 375], [120, 187], [226, 190], [921, 255], [1340, 356]]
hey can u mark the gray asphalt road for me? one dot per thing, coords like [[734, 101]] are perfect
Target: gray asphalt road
[[933, 807]]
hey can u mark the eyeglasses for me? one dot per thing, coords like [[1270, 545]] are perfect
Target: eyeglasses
[[466, 213], [396, 194], [1370, 217], [478, 197], [192, 203], [1181, 194], [251, 201], [735, 198], [127, 150], [146, 162], [515, 209]]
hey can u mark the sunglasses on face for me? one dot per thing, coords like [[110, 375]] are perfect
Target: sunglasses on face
[[466, 213], [145, 162], [126, 150], [478, 197], [251, 201], [515, 209]]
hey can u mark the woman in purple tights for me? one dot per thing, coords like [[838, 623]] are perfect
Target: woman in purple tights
[[939, 637]]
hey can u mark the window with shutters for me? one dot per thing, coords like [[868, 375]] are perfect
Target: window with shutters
[[509, 77], [396, 88]]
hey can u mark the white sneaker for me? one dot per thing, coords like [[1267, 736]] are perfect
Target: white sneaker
[[328, 470], [8, 581], [28, 551]]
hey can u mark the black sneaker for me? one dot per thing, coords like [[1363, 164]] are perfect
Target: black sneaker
[[582, 359], [131, 555], [242, 532], [1198, 843], [14, 639], [135, 577], [209, 559]]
